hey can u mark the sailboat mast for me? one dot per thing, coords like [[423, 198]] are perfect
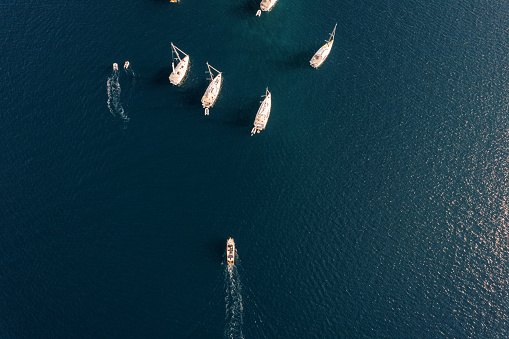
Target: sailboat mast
[[174, 50], [333, 33], [210, 72]]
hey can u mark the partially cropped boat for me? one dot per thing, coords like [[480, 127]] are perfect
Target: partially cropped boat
[[115, 66], [180, 70], [265, 5], [262, 116], [126, 65], [210, 96], [230, 251], [322, 54]]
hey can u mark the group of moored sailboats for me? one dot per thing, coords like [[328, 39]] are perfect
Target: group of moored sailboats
[[211, 93], [178, 73]]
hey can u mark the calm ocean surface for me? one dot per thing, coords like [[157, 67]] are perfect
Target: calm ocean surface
[[374, 205]]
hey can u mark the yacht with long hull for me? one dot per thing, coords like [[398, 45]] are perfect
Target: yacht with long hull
[[322, 54], [265, 5], [262, 116], [210, 96], [230, 251], [180, 70]]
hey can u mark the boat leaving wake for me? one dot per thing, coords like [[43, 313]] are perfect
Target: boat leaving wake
[[234, 306], [113, 89]]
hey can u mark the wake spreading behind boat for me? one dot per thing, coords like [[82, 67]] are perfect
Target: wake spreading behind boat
[[180, 71], [230, 251], [262, 116], [115, 66], [210, 96], [265, 5], [322, 54]]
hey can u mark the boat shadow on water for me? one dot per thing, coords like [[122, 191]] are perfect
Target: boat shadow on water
[[244, 115], [246, 9], [298, 60], [218, 249], [162, 76], [191, 94]]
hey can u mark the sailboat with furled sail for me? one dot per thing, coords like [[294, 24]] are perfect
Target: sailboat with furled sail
[[180, 70], [265, 5], [210, 96], [322, 54], [262, 116]]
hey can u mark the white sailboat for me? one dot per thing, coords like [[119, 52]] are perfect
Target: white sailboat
[[265, 5], [178, 72], [210, 96], [322, 54], [262, 116]]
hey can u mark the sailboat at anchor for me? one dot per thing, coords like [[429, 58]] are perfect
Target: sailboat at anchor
[[322, 54], [262, 116], [212, 92], [180, 70]]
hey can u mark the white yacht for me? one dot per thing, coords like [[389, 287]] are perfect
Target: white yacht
[[210, 96], [180, 70], [265, 5], [262, 116], [322, 54]]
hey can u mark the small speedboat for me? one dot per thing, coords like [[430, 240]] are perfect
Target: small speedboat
[[230, 251], [115, 66], [126, 65]]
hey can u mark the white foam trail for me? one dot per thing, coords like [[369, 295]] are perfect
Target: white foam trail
[[234, 305], [129, 70], [130, 73], [114, 104]]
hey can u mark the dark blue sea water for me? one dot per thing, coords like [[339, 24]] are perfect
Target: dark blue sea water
[[374, 205]]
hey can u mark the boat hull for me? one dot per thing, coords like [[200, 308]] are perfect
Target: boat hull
[[263, 114], [180, 71], [320, 56], [267, 5], [212, 92]]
